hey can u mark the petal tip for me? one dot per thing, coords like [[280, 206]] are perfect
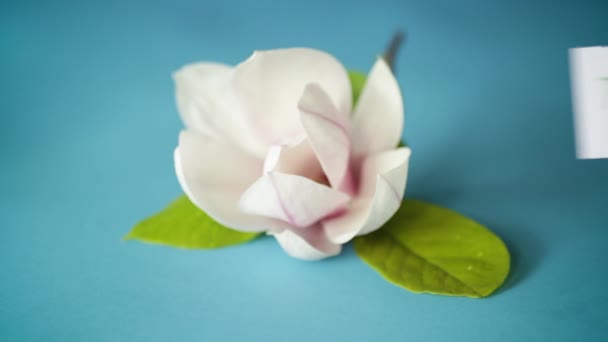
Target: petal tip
[[311, 246]]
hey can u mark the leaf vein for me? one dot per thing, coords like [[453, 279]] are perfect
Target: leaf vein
[[445, 273]]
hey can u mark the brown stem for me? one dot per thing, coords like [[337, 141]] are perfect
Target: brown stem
[[393, 47]]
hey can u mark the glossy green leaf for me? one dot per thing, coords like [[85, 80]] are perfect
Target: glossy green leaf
[[357, 81], [426, 248], [182, 224]]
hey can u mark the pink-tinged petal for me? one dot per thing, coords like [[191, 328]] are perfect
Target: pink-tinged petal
[[270, 84], [378, 116], [208, 105], [195, 86], [295, 157], [296, 200], [307, 244], [328, 133], [214, 176], [383, 179]]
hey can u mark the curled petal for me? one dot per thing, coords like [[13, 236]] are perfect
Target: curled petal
[[295, 157], [296, 200], [328, 132], [270, 83], [214, 175], [383, 180], [208, 105], [307, 244], [378, 116]]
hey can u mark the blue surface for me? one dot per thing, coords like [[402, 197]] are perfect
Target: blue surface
[[88, 126]]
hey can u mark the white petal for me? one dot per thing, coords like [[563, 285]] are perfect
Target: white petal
[[295, 157], [378, 116], [383, 180], [270, 84], [294, 199], [328, 133], [214, 176], [307, 244], [208, 105]]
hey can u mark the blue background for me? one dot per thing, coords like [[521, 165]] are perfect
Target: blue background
[[88, 126]]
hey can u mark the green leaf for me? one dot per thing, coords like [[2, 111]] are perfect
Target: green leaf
[[426, 248], [182, 224], [357, 81]]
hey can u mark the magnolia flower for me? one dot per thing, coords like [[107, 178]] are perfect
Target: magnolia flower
[[273, 145]]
